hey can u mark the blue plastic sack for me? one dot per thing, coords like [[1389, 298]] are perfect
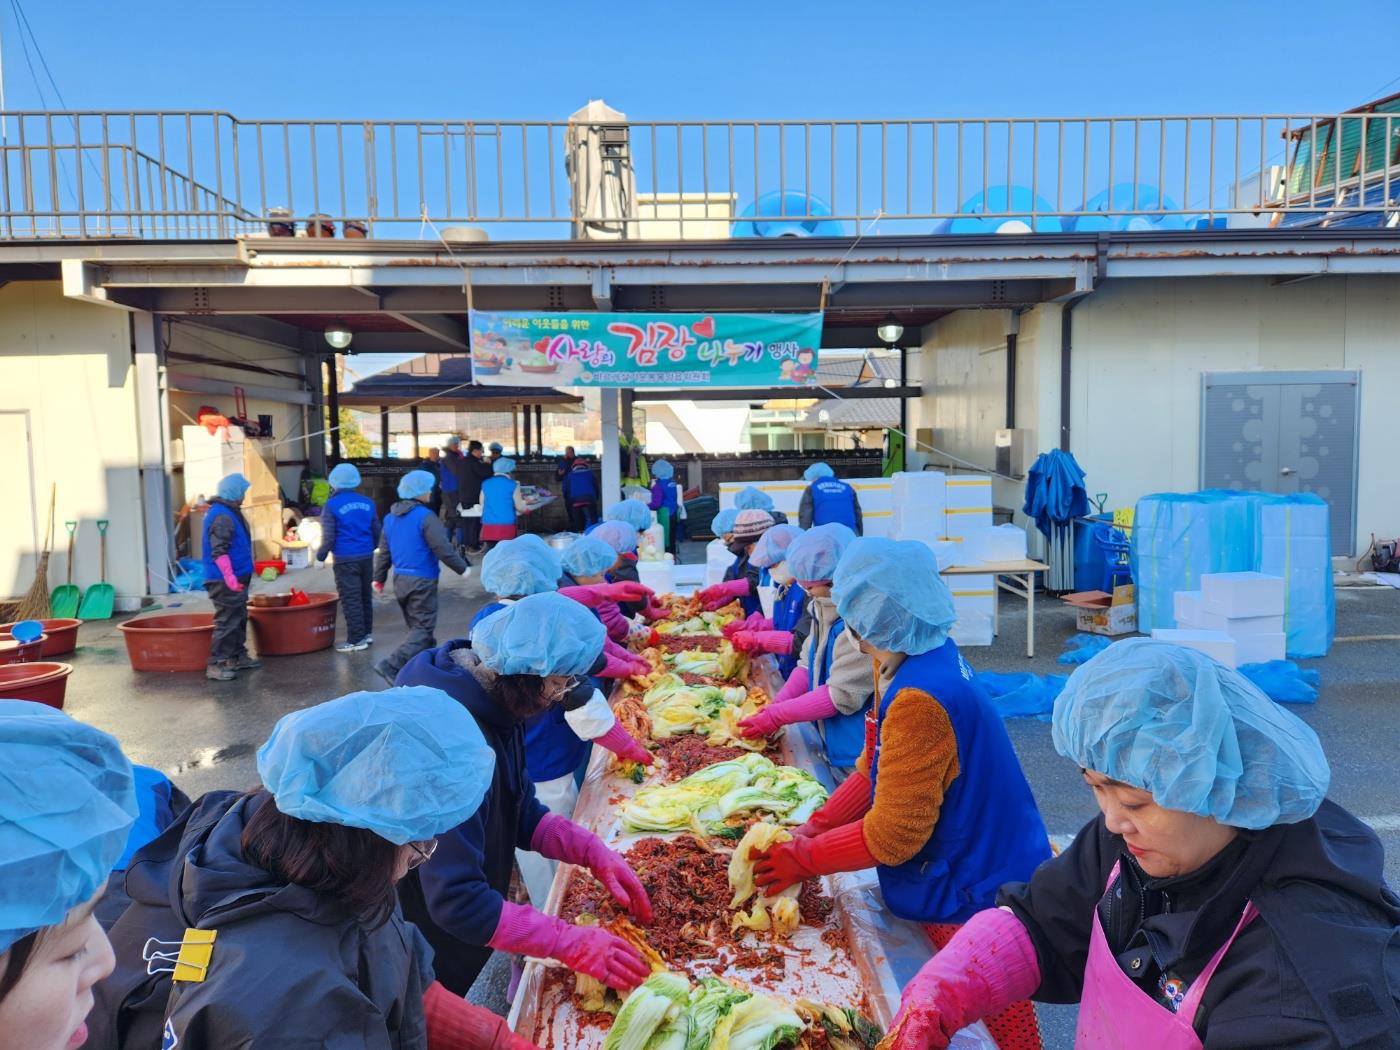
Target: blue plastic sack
[[1283, 681], [1023, 694], [1083, 647]]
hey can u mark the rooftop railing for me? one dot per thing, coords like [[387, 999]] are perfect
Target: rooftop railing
[[204, 175]]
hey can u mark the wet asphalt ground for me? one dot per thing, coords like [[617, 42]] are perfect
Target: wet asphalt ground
[[205, 734]]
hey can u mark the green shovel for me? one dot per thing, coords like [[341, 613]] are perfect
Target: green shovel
[[97, 603]]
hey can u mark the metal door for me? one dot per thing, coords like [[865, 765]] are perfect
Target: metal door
[[1284, 432]]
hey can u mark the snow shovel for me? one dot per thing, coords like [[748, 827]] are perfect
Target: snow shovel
[[63, 602], [97, 603]]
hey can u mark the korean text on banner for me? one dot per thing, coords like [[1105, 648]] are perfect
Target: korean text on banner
[[520, 348]]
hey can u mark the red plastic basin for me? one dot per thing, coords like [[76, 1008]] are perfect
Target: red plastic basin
[[44, 683], [172, 642], [61, 636], [13, 652], [289, 630]]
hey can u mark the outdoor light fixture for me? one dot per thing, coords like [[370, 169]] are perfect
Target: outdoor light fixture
[[890, 330], [338, 337]]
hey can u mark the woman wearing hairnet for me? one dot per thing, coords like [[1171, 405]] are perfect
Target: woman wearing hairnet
[[667, 502], [743, 578], [623, 515], [752, 498], [520, 661], [832, 683], [827, 499], [67, 803], [938, 804], [228, 570], [296, 884], [1217, 900], [785, 633]]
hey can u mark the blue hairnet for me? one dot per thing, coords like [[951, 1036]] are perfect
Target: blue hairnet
[[541, 635], [504, 465], [1198, 736], [816, 472], [233, 487], [753, 499], [591, 556], [406, 763], [66, 805], [618, 535], [344, 476], [496, 446], [524, 565], [633, 512], [416, 483], [889, 592], [724, 521], [815, 554], [773, 545], [663, 470]]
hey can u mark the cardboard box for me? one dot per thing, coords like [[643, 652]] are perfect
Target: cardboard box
[[1098, 612], [1218, 645], [1242, 594]]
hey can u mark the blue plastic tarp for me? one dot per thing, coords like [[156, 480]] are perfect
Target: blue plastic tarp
[[1023, 694], [1283, 681], [1055, 490], [1082, 647]]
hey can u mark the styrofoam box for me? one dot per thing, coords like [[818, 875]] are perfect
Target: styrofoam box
[[1218, 645], [974, 602], [876, 496], [1237, 626], [1238, 594], [969, 504], [1260, 648], [1186, 608], [917, 504], [998, 543]]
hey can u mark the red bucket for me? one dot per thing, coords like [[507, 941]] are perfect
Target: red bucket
[[44, 683], [290, 630], [60, 636], [174, 642], [13, 652]]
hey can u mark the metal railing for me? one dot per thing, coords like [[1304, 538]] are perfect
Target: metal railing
[[209, 175]]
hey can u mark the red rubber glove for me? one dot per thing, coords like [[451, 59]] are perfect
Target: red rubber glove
[[583, 949], [455, 1024], [989, 964], [595, 594], [806, 708], [225, 564], [785, 864], [558, 838], [849, 802], [378, 587], [721, 594], [779, 642], [622, 744]]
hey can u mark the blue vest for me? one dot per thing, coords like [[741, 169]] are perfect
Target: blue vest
[[408, 550], [833, 500], [741, 567], [670, 495], [989, 831], [844, 735], [787, 611], [579, 486], [240, 553], [498, 501], [354, 524]]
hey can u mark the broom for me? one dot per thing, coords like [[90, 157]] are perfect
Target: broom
[[35, 604]]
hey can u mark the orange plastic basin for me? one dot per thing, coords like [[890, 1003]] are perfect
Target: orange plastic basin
[[13, 652], [61, 636], [172, 642], [44, 683], [289, 630]]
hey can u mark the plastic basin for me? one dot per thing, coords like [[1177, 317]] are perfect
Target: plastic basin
[[44, 683], [60, 636], [13, 652], [294, 629], [172, 642]]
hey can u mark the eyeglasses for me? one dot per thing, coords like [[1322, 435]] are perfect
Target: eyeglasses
[[422, 852]]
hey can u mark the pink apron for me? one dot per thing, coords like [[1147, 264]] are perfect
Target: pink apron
[[1116, 1014]]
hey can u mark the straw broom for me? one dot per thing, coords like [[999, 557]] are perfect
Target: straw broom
[[35, 604]]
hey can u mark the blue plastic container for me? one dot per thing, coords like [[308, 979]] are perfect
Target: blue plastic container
[[787, 213]]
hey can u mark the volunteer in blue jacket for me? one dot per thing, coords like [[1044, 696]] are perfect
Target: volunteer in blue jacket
[[228, 569], [66, 808], [828, 499], [501, 502], [519, 662], [668, 502], [412, 544], [938, 804], [580, 492], [785, 632], [743, 578], [350, 530]]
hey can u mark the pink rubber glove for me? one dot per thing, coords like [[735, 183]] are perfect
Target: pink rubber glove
[[378, 587], [721, 594], [584, 949], [988, 965], [806, 708], [595, 594], [225, 564], [558, 838], [614, 620], [655, 612], [795, 686], [619, 667], [752, 622], [455, 1024], [848, 803], [622, 744], [763, 642]]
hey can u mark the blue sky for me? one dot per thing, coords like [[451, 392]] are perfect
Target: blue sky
[[540, 59]]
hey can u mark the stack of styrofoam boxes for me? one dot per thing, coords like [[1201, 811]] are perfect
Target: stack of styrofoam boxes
[[1236, 617], [917, 507], [969, 515]]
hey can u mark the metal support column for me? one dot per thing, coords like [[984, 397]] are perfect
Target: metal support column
[[316, 416], [384, 431], [333, 400], [624, 412], [528, 429], [151, 440], [612, 453], [413, 418], [539, 429], [515, 428]]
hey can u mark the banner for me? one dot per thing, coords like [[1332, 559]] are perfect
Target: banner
[[521, 348]]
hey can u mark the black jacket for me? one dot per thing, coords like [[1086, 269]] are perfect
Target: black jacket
[[289, 969], [455, 899], [471, 473], [1319, 967]]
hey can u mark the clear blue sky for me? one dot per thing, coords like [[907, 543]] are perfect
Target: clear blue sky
[[541, 59]]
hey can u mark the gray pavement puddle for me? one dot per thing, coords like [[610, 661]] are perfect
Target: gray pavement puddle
[[212, 756]]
